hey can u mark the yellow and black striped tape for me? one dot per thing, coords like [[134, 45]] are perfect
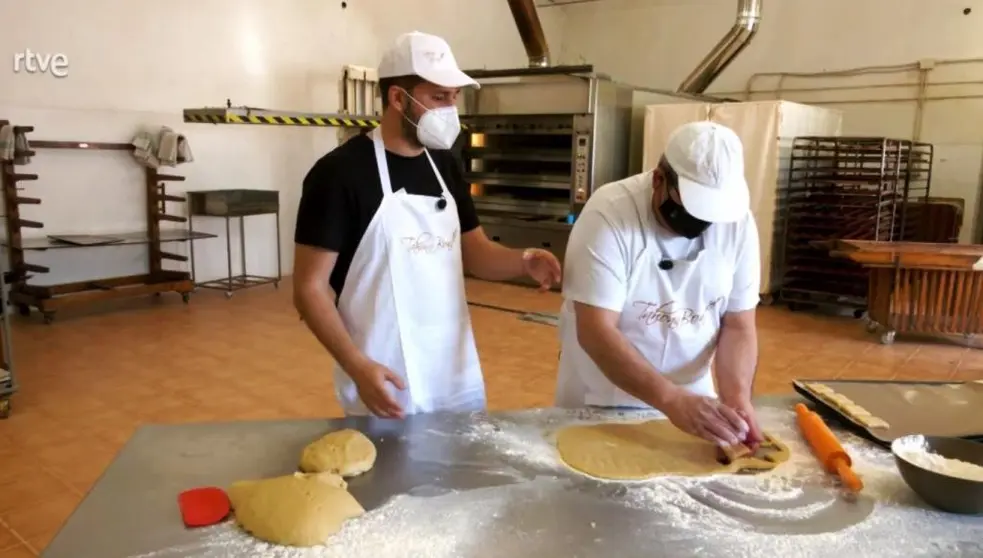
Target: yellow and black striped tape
[[285, 120], [281, 120]]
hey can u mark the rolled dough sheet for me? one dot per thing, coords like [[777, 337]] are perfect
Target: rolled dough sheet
[[641, 450]]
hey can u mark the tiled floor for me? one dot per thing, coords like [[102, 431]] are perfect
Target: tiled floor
[[89, 380]]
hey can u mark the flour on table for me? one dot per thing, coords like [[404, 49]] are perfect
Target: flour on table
[[732, 515], [526, 443], [796, 510], [915, 450]]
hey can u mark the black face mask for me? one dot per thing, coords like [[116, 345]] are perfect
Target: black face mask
[[680, 221]]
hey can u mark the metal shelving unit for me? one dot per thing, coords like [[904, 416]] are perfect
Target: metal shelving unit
[[847, 188]]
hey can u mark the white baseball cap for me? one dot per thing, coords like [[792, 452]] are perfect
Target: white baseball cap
[[426, 56], [709, 160]]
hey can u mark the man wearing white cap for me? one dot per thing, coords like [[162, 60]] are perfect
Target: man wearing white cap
[[385, 230], [661, 281]]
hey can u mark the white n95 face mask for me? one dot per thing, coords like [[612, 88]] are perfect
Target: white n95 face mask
[[438, 128]]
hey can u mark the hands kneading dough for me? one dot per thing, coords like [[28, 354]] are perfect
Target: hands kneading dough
[[305, 509], [847, 406]]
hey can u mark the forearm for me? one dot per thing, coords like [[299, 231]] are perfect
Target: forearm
[[496, 263], [736, 361], [317, 308], [627, 369]]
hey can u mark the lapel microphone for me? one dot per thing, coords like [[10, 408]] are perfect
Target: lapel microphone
[[441, 203], [665, 265]]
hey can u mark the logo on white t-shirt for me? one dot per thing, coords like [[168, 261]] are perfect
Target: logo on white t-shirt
[[673, 315]]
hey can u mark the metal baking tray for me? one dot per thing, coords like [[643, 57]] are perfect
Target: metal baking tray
[[910, 407]]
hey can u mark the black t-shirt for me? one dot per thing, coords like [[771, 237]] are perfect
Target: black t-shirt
[[342, 192]]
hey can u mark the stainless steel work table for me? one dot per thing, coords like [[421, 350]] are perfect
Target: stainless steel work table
[[511, 498]]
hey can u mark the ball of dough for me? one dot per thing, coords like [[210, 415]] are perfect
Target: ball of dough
[[294, 510], [344, 452]]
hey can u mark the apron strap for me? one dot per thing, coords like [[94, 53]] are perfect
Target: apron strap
[[440, 178], [380, 161]]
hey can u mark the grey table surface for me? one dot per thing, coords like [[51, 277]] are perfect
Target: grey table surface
[[132, 510]]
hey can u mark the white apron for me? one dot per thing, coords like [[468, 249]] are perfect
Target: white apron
[[404, 304], [672, 317]]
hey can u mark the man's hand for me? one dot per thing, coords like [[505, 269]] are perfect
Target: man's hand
[[746, 411], [371, 379], [706, 418], [542, 267]]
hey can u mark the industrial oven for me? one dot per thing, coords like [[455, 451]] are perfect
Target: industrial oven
[[536, 144]]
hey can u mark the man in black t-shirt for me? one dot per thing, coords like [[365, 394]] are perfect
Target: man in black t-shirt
[[385, 231]]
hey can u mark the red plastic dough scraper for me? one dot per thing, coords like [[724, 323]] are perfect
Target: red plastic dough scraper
[[201, 507]]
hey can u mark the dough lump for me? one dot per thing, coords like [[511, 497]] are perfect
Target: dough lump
[[296, 510], [635, 451], [344, 452]]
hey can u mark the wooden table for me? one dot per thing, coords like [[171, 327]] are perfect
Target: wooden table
[[920, 287]]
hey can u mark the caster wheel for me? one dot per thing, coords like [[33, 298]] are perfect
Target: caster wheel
[[858, 314], [4, 408], [228, 294], [48, 317], [185, 297], [887, 337], [23, 310], [871, 326]]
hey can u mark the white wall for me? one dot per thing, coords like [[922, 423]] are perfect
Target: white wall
[[137, 63], [657, 43]]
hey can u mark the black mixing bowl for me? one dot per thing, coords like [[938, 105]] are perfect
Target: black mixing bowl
[[951, 494]]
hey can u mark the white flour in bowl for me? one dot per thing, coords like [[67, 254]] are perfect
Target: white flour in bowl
[[914, 450]]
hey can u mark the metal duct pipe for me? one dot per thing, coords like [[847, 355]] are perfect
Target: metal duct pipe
[[531, 32], [739, 36]]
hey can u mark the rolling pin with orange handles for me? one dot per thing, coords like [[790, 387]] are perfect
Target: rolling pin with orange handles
[[827, 448]]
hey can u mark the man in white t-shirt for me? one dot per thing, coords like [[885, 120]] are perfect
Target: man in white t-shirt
[[661, 279]]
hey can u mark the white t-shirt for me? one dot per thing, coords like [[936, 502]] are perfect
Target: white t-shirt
[[608, 238]]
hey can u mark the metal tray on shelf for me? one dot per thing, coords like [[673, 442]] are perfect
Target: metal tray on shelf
[[912, 407]]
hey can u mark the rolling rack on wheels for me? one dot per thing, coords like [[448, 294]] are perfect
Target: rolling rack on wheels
[[49, 298], [8, 381], [847, 188]]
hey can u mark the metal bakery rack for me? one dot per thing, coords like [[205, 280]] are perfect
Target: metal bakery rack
[[855, 188]]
